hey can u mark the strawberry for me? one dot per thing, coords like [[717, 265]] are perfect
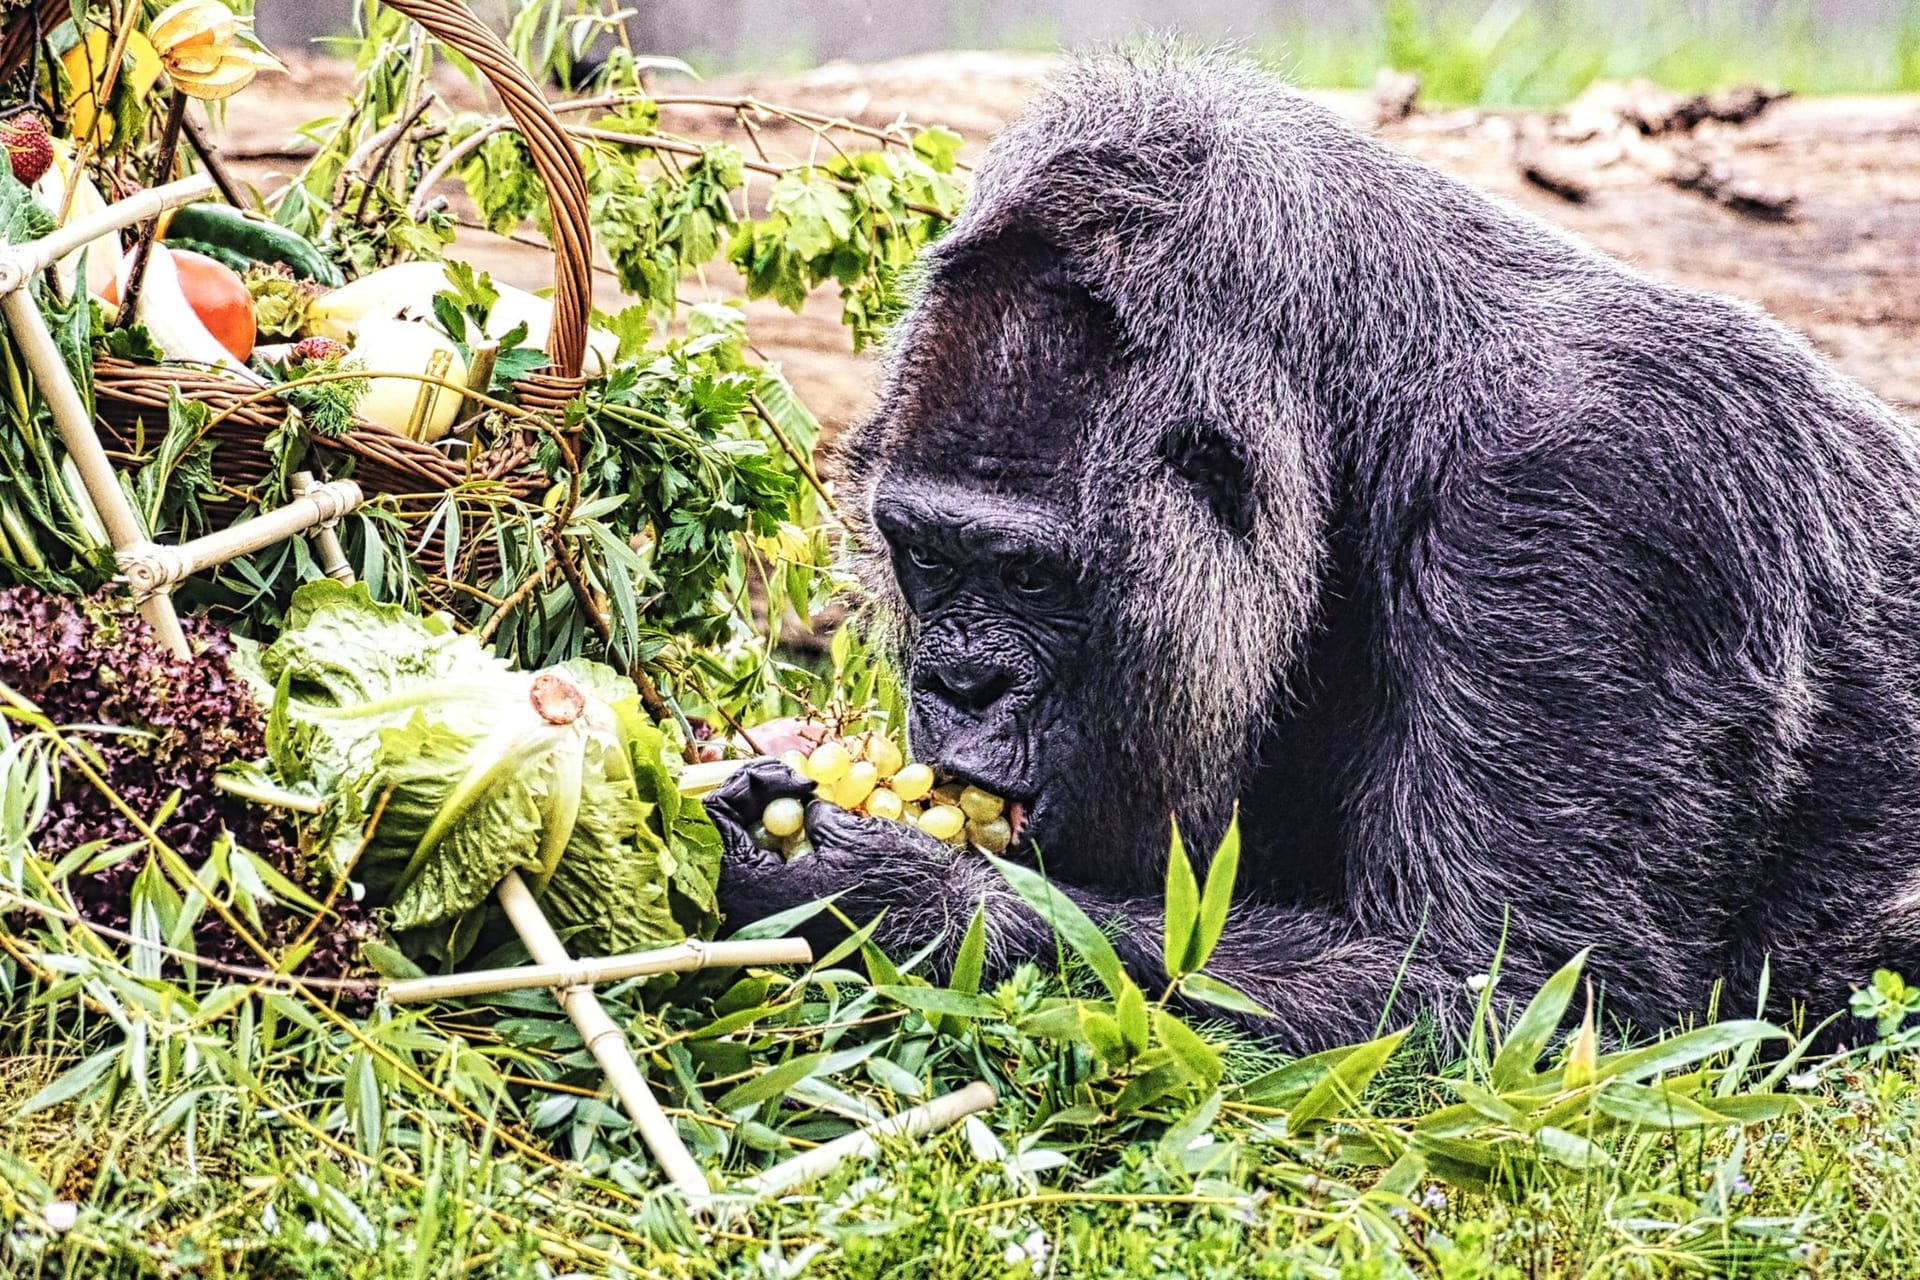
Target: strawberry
[[28, 146]]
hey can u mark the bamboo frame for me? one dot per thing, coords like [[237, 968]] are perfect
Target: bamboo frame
[[608, 1046], [150, 567], [691, 954], [326, 543], [864, 1143]]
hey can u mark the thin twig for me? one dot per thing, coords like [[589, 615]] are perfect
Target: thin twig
[[515, 598], [210, 160], [143, 247], [794, 455], [363, 986], [372, 172]]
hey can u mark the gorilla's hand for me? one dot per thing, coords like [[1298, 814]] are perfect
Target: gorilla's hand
[[870, 863], [736, 804]]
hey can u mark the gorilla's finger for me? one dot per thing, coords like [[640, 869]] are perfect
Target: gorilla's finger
[[834, 830], [746, 793]]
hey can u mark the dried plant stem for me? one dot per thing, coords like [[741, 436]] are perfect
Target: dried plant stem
[[163, 170]]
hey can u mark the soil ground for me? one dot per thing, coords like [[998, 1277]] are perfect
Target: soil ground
[[1843, 269]]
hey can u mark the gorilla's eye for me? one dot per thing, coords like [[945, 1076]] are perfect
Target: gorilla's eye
[[925, 561], [1028, 579]]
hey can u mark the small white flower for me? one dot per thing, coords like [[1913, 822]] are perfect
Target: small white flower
[[1033, 1249], [1804, 1080], [318, 1233], [1478, 982], [60, 1215], [1433, 1199]]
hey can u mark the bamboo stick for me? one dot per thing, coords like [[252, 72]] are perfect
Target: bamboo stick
[[607, 1044], [691, 954], [266, 794], [863, 1143], [75, 425], [326, 543], [19, 263], [150, 567]]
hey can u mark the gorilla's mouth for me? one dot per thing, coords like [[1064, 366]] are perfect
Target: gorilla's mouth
[[1020, 809]]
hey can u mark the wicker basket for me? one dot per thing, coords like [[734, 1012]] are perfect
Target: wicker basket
[[131, 399]]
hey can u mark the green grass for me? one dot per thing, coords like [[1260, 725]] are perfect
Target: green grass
[[1516, 54], [278, 1138]]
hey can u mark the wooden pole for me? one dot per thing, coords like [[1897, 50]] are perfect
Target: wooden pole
[[18, 265], [150, 567], [326, 543]]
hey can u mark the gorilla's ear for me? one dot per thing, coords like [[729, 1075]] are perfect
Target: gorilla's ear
[[1213, 462]]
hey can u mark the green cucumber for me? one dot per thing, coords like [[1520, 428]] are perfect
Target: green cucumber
[[255, 239], [218, 252]]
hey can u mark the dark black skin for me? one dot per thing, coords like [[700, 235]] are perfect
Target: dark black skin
[[1519, 604]]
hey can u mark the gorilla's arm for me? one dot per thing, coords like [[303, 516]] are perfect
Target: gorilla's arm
[[1325, 983]]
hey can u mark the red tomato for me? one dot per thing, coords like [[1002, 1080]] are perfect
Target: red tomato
[[217, 295]]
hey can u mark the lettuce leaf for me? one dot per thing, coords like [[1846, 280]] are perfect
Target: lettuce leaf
[[443, 775]]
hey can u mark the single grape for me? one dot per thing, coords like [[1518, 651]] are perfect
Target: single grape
[[762, 837], [948, 793], [886, 756], [829, 763], [852, 791], [943, 822], [795, 760], [798, 847], [885, 804], [784, 816], [912, 782], [981, 806], [994, 835]]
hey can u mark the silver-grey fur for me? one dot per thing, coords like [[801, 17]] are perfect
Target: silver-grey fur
[[1509, 593]]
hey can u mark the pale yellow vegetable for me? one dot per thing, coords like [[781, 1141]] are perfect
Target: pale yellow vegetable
[[406, 404], [103, 255], [405, 292]]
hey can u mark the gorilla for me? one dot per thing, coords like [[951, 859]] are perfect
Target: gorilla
[[1518, 603]]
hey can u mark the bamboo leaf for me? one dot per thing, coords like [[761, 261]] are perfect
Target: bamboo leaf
[[1685, 1049], [1217, 898], [1210, 990], [1068, 920], [1571, 1150], [1130, 1011], [1182, 907], [71, 1084], [1200, 1060], [1514, 1065], [776, 1081], [1342, 1086]]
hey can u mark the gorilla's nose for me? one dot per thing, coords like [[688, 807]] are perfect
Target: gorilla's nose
[[968, 686]]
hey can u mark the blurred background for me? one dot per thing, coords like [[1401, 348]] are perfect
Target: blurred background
[[1798, 191], [1489, 52]]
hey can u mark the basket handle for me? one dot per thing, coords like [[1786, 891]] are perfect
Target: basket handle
[[454, 25]]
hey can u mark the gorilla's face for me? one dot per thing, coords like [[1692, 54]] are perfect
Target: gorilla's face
[[1028, 484], [1002, 613]]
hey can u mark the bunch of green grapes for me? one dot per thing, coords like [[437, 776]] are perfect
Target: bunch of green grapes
[[869, 775]]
